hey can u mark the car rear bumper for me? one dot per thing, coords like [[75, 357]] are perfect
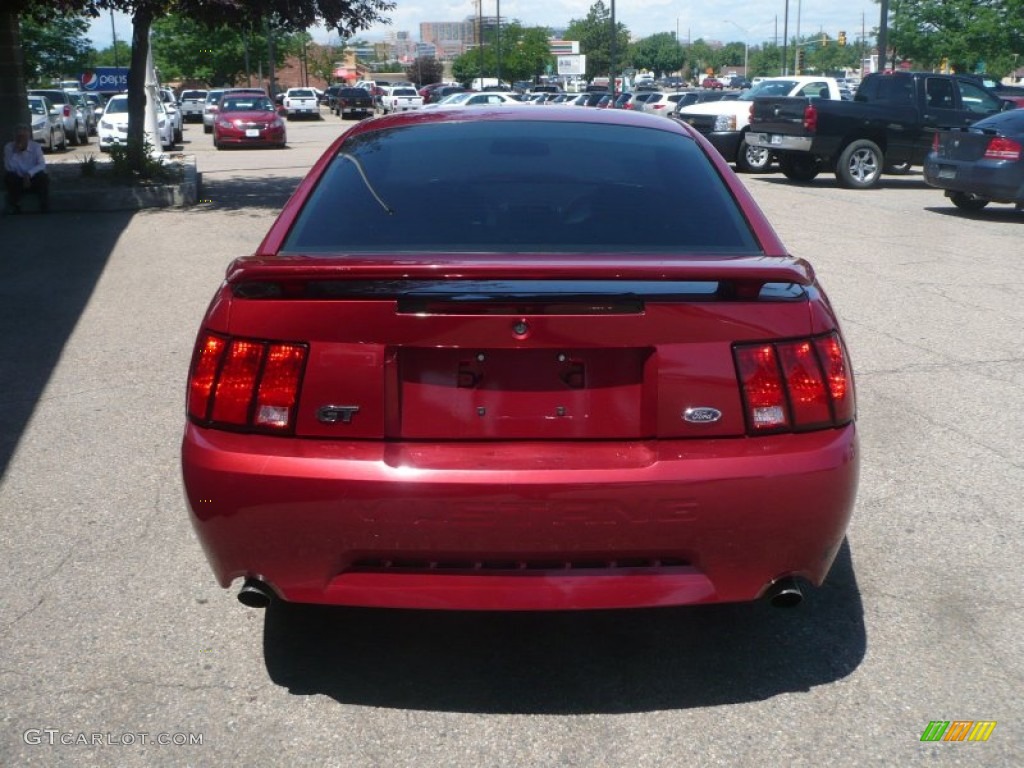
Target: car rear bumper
[[520, 526], [995, 180], [780, 142]]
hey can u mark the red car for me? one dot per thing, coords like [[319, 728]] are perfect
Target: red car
[[713, 83], [449, 377], [248, 120]]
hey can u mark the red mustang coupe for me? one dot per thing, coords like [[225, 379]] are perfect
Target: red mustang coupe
[[453, 375], [248, 120]]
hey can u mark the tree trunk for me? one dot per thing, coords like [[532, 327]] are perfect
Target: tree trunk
[[13, 102], [142, 21]]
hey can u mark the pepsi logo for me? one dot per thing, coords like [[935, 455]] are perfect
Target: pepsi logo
[[89, 80]]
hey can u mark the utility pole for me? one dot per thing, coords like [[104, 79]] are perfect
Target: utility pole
[[611, 62], [498, 12]]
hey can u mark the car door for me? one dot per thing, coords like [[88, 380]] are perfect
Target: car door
[[976, 102]]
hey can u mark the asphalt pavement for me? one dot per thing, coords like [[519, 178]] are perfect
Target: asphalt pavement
[[115, 637]]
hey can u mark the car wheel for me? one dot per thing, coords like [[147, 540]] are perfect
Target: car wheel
[[84, 138], [967, 202], [179, 136], [207, 128], [63, 141], [860, 165], [51, 145], [800, 167], [73, 139], [752, 159]]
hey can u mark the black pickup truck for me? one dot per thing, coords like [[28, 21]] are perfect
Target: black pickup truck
[[353, 102], [889, 125]]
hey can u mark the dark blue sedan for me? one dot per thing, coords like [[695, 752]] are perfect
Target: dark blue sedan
[[981, 164]]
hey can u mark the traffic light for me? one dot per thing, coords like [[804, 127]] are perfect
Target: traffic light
[[842, 37], [799, 60]]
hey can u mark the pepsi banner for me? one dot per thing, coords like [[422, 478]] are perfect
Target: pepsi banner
[[105, 79]]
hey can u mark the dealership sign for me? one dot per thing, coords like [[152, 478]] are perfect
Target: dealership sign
[[572, 65], [105, 79]]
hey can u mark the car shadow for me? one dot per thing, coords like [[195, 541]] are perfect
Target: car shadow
[[912, 180], [993, 212], [51, 266], [220, 191], [571, 662]]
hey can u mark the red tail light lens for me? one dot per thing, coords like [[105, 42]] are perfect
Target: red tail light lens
[[795, 385], [810, 119], [67, 111], [935, 142], [1001, 148], [245, 383]]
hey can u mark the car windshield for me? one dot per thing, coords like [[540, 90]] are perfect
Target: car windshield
[[192, 95], [456, 98], [117, 106], [247, 104], [520, 186], [37, 106], [213, 97]]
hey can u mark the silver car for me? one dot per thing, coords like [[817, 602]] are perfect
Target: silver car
[[47, 124], [76, 122]]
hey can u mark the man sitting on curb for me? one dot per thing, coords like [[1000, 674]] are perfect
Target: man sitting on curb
[[25, 170]]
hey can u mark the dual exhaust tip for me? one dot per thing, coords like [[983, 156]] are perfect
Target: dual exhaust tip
[[784, 593]]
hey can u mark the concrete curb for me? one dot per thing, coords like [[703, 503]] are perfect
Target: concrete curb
[[70, 191]]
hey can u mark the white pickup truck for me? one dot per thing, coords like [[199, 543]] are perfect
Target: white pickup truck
[[725, 123], [400, 99], [301, 101]]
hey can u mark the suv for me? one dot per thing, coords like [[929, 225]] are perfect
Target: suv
[[76, 122], [192, 102]]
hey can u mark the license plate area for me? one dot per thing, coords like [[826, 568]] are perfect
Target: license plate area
[[523, 394], [947, 172], [252, 133], [776, 139]]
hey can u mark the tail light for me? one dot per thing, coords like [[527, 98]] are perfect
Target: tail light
[[245, 384], [810, 119], [792, 386], [67, 110], [935, 142], [1001, 148]]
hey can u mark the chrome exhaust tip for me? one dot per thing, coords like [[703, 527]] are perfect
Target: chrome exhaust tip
[[785, 593], [255, 594]]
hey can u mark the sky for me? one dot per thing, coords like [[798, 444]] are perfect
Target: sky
[[756, 23]]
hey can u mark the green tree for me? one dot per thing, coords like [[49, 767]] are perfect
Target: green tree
[[112, 56], [594, 35], [321, 61], [56, 49], [660, 53], [525, 53], [425, 70], [969, 34]]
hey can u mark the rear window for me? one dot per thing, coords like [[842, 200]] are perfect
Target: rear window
[[404, 92], [301, 94], [354, 93], [193, 95], [213, 97], [515, 185]]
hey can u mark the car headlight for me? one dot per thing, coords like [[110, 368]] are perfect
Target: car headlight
[[277, 123], [106, 125], [725, 123], [38, 126], [225, 124]]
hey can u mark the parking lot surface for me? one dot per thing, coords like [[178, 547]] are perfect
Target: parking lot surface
[[114, 637]]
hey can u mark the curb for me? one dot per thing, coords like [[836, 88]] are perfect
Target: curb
[[66, 195]]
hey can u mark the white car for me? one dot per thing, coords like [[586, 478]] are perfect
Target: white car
[[47, 124], [173, 110], [113, 128], [301, 101], [400, 99], [474, 99], [662, 103]]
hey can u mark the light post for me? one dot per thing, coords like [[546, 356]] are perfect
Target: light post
[[746, 49]]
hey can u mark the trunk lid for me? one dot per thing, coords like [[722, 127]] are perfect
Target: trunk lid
[[492, 352]]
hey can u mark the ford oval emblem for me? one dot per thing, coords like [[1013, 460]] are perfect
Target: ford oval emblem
[[702, 415]]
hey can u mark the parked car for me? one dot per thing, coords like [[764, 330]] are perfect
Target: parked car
[[249, 120], [661, 103], [400, 98], [47, 124], [474, 99], [712, 82], [890, 123], [436, 94], [508, 399], [98, 102], [76, 122], [192, 102], [636, 103], [980, 164], [301, 101], [213, 99], [589, 99], [174, 114], [331, 94], [353, 102], [113, 130], [86, 109]]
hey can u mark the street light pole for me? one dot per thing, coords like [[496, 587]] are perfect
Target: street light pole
[[611, 63], [746, 48]]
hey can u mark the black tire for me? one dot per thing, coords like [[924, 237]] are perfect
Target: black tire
[[802, 168], [207, 128], [752, 159], [179, 136], [73, 139], [84, 138], [860, 165], [966, 202], [51, 145], [63, 142]]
